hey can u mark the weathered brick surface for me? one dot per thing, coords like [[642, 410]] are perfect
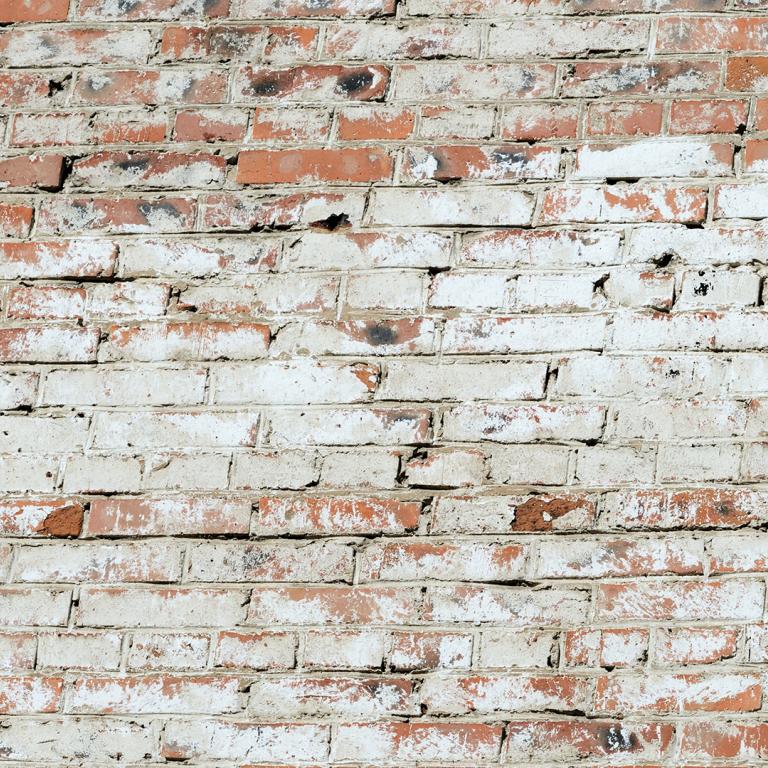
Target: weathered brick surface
[[383, 383]]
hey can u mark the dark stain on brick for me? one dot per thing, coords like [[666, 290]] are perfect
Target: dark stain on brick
[[268, 85], [355, 82], [508, 157], [380, 333], [146, 209], [614, 739], [133, 164]]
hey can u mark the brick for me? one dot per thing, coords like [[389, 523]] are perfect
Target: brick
[[322, 561], [693, 645], [424, 741], [19, 651], [202, 257], [121, 562], [245, 741], [171, 515], [168, 652], [457, 122], [535, 122], [30, 48], [312, 83], [606, 648], [574, 740], [210, 125], [745, 73], [369, 123], [455, 80], [502, 163], [628, 376], [154, 694], [289, 124], [309, 208], [18, 390], [50, 343], [64, 738], [620, 204], [356, 650], [40, 171], [27, 695], [351, 427], [541, 248], [339, 696], [606, 78], [715, 116], [681, 35], [678, 693], [522, 334], [187, 341], [653, 158], [516, 608], [626, 118], [298, 8], [191, 429], [51, 259], [88, 474], [341, 516], [149, 86], [373, 337], [147, 170], [682, 601], [152, 9], [265, 650], [449, 207], [50, 129], [15, 219], [333, 605], [522, 424], [519, 514], [34, 606], [712, 507], [561, 38], [529, 464], [506, 693], [397, 561], [124, 215], [89, 651], [157, 607], [724, 740], [124, 387], [23, 11], [313, 166], [449, 468], [369, 250], [413, 651]]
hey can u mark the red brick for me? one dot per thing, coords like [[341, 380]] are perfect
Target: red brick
[[14, 11], [15, 219], [340, 516], [375, 123], [624, 118], [198, 125], [332, 82], [313, 165], [715, 116]]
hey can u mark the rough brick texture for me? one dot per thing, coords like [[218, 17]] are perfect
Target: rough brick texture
[[384, 383]]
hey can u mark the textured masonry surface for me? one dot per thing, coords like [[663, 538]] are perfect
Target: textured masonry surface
[[383, 383]]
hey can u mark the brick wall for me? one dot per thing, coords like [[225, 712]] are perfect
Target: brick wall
[[383, 382]]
